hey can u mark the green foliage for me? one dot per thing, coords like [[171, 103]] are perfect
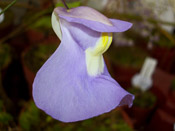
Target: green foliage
[[33, 119], [5, 118], [143, 99], [8, 20], [70, 5], [43, 22], [30, 117], [164, 42], [111, 121], [37, 55], [121, 126], [127, 56], [173, 85], [1, 105], [5, 55], [8, 6]]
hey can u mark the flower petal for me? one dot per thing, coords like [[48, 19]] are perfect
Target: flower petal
[[92, 19], [64, 90], [100, 27], [83, 12], [56, 25]]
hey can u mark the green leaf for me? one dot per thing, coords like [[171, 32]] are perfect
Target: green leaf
[[1, 105], [5, 118], [37, 55], [5, 55], [43, 22], [30, 117], [143, 99], [70, 5], [132, 57], [173, 85]]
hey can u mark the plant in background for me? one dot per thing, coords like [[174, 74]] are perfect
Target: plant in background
[[127, 56], [70, 4], [37, 55], [173, 85], [5, 55], [74, 83], [143, 99], [163, 11], [7, 7], [1, 17], [6, 24], [143, 107], [31, 118], [5, 118]]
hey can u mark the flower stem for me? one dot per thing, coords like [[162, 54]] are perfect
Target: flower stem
[[65, 4], [8, 6]]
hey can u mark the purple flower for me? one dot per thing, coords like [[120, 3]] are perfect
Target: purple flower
[[74, 83]]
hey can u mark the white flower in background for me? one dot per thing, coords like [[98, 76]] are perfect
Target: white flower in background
[[107, 5], [97, 4], [143, 80], [121, 40], [163, 10], [1, 17], [172, 2]]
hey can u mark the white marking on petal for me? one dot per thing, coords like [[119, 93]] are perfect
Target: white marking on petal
[[56, 25], [95, 64], [94, 58]]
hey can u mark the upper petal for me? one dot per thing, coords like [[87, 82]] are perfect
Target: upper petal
[[83, 12], [92, 19]]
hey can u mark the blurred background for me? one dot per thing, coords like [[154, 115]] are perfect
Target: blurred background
[[141, 59]]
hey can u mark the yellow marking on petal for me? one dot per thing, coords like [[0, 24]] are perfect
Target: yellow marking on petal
[[68, 10], [103, 43], [94, 58]]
